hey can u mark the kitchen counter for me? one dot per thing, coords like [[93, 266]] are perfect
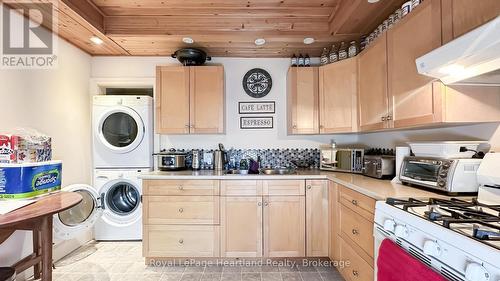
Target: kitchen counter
[[374, 188]]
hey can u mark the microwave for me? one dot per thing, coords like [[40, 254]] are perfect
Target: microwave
[[447, 175], [342, 159]]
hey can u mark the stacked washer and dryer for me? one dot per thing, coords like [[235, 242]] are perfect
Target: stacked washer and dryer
[[122, 132]]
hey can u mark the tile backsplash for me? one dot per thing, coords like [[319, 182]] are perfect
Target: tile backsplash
[[269, 158]]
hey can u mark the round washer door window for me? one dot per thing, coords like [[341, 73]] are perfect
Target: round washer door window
[[121, 129], [81, 212], [123, 198]]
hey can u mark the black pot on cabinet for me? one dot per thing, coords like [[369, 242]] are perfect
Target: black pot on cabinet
[[191, 56]]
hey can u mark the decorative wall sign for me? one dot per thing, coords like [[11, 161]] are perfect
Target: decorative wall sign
[[256, 122], [257, 83], [256, 107]]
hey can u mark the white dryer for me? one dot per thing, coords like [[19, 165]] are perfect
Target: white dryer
[[122, 129], [112, 206]]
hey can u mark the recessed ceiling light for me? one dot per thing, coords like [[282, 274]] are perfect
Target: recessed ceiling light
[[308, 40], [260, 41], [373, 1], [96, 40], [188, 40]]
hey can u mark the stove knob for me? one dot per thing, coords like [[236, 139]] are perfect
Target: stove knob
[[389, 225], [476, 272], [432, 248], [401, 231]]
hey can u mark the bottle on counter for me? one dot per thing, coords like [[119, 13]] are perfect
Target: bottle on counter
[[353, 49], [294, 61], [342, 51], [307, 60], [324, 56], [301, 60], [334, 55]]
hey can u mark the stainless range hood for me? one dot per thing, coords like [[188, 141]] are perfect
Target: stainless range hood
[[471, 59]]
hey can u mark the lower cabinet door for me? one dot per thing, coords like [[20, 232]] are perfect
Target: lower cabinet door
[[241, 226], [317, 218], [181, 241], [358, 269], [284, 226]]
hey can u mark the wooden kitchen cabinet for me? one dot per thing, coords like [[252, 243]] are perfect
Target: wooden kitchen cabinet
[[284, 226], [338, 90], [358, 269], [181, 209], [190, 100], [302, 100], [241, 226], [373, 101], [317, 218], [207, 100], [461, 16], [172, 100], [411, 95]]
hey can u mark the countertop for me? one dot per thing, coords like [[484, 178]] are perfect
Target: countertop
[[374, 188]]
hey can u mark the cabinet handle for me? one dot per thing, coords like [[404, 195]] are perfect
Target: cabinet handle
[[259, 204], [294, 126], [389, 117], [354, 202], [181, 210], [266, 204], [355, 231], [187, 126], [309, 187], [181, 241], [384, 118], [321, 126], [191, 126], [355, 273], [180, 187]]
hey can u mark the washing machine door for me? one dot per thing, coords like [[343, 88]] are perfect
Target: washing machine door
[[122, 202], [69, 223], [121, 129]]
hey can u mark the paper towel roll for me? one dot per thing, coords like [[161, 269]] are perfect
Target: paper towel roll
[[401, 153]]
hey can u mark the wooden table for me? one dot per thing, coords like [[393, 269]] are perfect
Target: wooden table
[[37, 217]]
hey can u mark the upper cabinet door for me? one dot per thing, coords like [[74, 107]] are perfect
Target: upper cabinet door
[[411, 93], [338, 89], [303, 100], [172, 100], [373, 100], [467, 15], [207, 100]]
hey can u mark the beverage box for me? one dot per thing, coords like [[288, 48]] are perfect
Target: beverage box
[[29, 179]]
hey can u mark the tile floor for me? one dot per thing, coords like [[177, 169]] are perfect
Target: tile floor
[[122, 261]]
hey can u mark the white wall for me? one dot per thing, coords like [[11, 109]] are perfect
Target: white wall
[[55, 102], [235, 69]]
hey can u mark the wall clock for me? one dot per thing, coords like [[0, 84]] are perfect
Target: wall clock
[[257, 83]]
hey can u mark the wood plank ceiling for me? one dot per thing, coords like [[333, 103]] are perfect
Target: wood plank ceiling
[[220, 27]]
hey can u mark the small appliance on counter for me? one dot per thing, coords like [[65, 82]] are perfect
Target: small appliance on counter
[[195, 159], [171, 160], [220, 158], [450, 167], [341, 159], [379, 163]]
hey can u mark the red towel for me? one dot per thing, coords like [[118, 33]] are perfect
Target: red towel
[[395, 264]]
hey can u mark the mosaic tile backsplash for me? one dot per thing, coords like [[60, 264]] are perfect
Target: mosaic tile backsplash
[[269, 158]]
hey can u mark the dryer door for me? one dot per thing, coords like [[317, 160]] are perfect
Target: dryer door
[[122, 202], [120, 129], [71, 222]]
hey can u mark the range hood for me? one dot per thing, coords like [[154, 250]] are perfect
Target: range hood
[[471, 59]]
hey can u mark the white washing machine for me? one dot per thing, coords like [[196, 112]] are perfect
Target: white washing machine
[[113, 207], [122, 129]]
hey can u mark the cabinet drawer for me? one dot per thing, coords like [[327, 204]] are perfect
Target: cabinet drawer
[[241, 188], [359, 203], [180, 187], [181, 209], [357, 228], [359, 269], [180, 241], [284, 187]]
